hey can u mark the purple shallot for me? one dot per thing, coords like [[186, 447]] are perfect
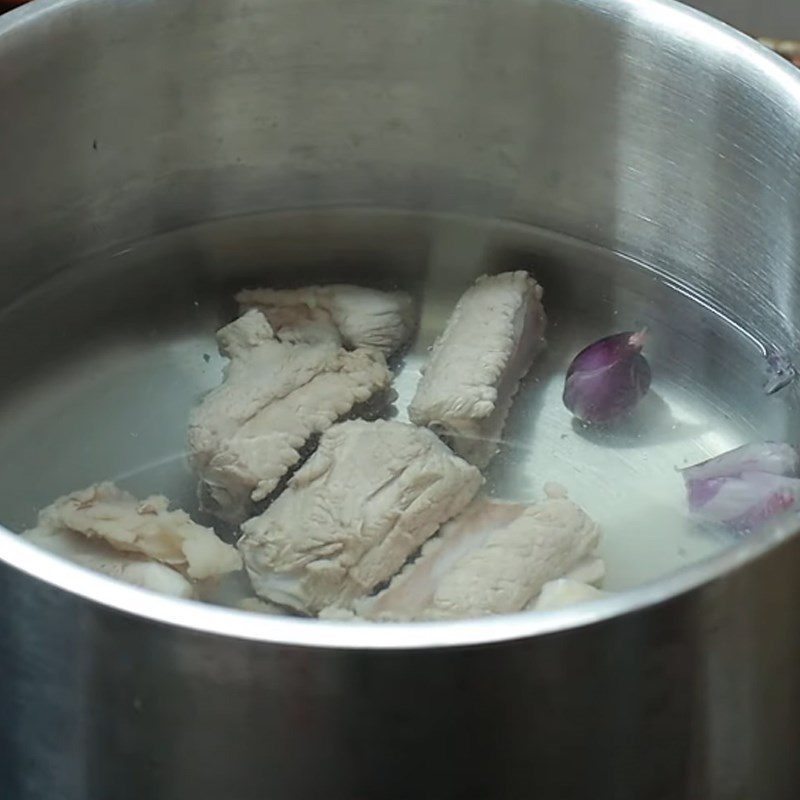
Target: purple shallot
[[608, 378]]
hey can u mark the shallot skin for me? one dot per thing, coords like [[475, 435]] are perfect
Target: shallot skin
[[745, 487], [776, 458], [607, 378]]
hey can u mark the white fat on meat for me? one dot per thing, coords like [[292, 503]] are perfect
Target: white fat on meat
[[494, 558], [368, 498], [565, 592], [249, 432], [349, 316], [590, 571], [140, 542], [102, 558], [475, 366]]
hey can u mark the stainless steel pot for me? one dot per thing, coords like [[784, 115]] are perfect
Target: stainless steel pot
[[634, 125]]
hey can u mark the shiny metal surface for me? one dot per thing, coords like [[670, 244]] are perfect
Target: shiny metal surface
[[635, 127]]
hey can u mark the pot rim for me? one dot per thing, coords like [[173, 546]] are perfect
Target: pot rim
[[202, 618]]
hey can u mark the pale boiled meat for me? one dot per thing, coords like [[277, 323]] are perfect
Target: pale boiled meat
[[351, 316], [494, 558], [100, 557], [591, 570], [258, 606], [577, 585], [565, 592], [249, 432], [352, 515], [474, 370], [139, 541]]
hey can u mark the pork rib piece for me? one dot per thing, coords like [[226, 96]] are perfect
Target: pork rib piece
[[138, 541], [352, 515], [474, 370], [494, 558], [349, 316], [99, 557], [250, 431]]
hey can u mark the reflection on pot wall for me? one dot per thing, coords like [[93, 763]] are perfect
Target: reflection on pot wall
[[774, 17], [768, 17]]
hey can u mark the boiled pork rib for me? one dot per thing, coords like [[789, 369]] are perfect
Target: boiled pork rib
[[370, 495], [494, 558], [138, 541], [99, 557], [469, 381], [349, 316], [249, 432]]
